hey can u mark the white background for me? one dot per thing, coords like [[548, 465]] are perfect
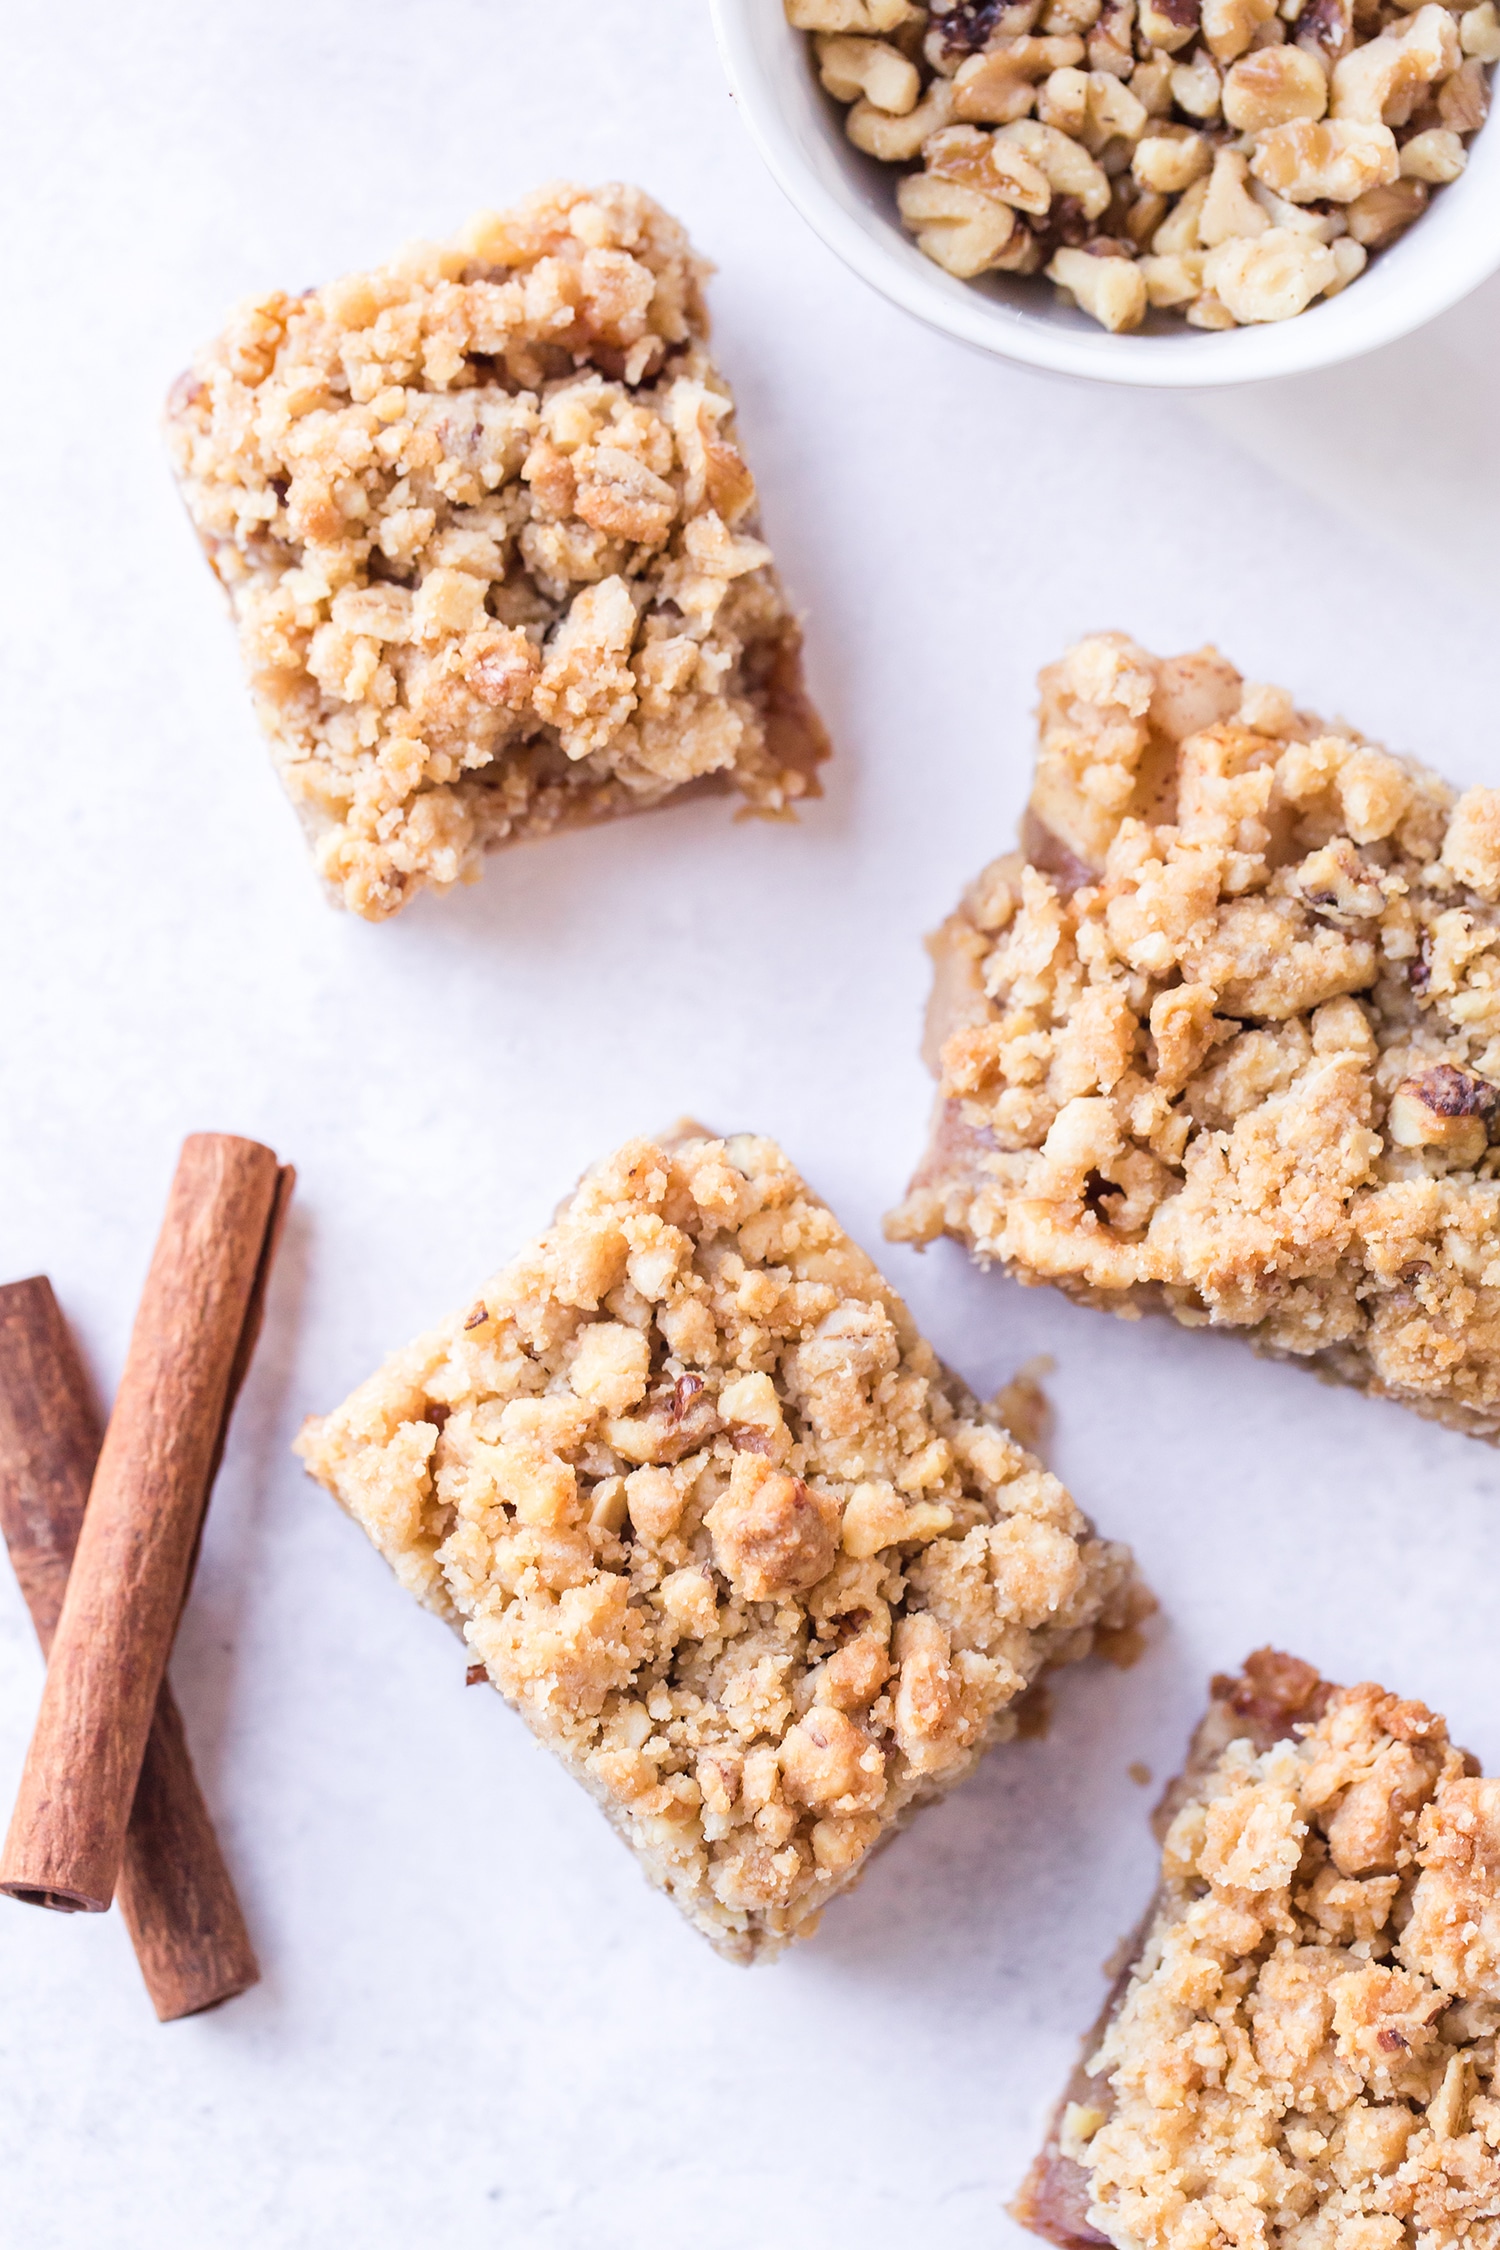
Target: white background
[[476, 2025]]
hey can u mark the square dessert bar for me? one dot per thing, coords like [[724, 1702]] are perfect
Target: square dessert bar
[[1223, 1039], [718, 1523], [491, 545], [1302, 2050]]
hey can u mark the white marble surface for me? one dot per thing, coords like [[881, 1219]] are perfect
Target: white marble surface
[[476, 2024]]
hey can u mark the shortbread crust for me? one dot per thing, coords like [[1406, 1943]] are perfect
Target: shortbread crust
[[1223, 1040], [492, 546], [1301, 2050], [718, 1523]]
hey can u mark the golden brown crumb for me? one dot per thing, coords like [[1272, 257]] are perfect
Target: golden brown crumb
[[1024, 1407], [491, 544], [1226, 1041], [722, 1528], [1305, 2051]]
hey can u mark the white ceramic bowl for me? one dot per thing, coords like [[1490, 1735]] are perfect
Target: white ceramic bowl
[[850, 200]]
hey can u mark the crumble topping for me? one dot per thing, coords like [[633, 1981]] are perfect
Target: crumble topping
[[491, 544], [1305, 2053], [1231, 160], [722, 1528], [1225, 1040]]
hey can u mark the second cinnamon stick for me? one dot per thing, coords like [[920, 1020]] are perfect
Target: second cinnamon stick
[[140, 1530]]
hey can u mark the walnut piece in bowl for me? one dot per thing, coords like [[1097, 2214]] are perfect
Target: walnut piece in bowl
[[1191, 175]]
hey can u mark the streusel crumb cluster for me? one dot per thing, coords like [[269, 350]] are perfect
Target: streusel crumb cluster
[[1305, 2054], [491, 544], [721, 1527], [1229, 159], [1224, 1040]]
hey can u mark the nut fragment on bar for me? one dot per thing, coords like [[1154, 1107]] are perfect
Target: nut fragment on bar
[[1231, 160], [492, 547], [1302, 2048], [1223, 1039], [735, 1544]]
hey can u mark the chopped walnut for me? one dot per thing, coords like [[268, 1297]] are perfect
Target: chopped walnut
[[491, 546], [1381, 213], [722, 1528], [1109, 289], [869, 70], [1273, 86], [1298, 2052], [1186, 127], [772, 1535], [1271, 277], [1232, 1052]]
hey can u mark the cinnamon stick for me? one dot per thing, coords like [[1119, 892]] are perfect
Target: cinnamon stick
[[175, 1891], [198, 1315]]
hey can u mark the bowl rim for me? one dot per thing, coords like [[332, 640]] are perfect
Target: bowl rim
[[869, 244]]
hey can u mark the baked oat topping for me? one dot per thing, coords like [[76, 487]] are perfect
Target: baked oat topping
[[1224, 1039], [1304, 2050], [737, 1547], [1231, 160], [491, 544]]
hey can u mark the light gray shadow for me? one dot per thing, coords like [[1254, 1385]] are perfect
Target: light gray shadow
[[1398, 441]]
